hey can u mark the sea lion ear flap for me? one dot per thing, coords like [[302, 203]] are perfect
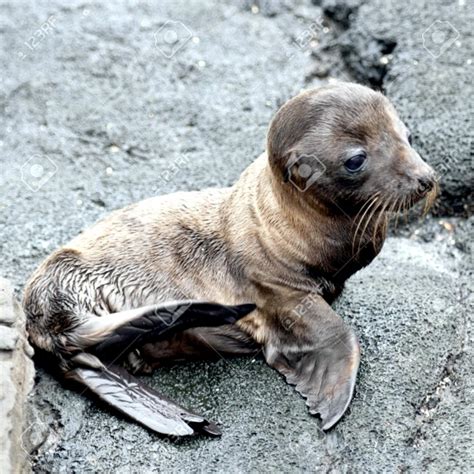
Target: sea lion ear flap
[[287, 129], [283, 165], [286, 164]]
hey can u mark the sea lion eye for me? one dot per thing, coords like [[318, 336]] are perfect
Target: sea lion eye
[[355, 163], [410, 139]]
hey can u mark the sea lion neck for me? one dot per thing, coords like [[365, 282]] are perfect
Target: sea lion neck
[[264, 209], [300, 203]]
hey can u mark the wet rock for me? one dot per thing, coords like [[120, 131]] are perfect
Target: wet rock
[[367, 57], [339, 11], [16, 382]]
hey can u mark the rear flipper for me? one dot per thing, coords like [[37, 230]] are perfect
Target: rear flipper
[[129, 396], [120, 333], [210, 343], [129, 329]]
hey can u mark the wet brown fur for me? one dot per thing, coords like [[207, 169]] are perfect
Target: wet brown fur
[[261, 240]]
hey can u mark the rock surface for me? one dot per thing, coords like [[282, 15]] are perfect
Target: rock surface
[[100, 106], [16, 382]]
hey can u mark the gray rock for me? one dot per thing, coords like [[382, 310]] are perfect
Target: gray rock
[[8, 338], [7, 316], [16, 382]]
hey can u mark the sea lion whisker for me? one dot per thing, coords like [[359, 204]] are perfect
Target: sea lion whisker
[[358, 218], [408, 204], [377, 222], [388, 216], [372, 202], [399, 208], [367, 222], [363, 208], [430, 199]]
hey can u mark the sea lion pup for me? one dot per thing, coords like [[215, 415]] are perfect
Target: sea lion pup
[[301, 219]]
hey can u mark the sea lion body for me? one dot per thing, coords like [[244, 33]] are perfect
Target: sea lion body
[[268, 240]]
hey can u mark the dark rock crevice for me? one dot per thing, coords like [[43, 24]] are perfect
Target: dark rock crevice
[[340, 12], [447, 381], [348, 53], [427, 410], [369, 65], [365, 56]]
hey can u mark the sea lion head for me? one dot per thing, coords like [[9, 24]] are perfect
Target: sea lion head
[[343, 145]]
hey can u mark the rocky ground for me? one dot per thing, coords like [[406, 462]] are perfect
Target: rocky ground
[[100, 106]]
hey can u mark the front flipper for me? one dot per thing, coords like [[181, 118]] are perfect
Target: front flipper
[[313, 348], [139, 402]]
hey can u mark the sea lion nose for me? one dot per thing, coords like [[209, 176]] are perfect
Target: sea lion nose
[[425, 184]]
